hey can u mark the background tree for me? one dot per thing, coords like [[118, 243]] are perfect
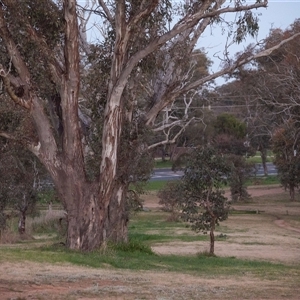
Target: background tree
[[172, 197], [44, 44], [286, 147], [19, 177], [231, 140], [199, 197], [270, 86]]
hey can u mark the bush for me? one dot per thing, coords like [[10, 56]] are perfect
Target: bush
[[171, 197], [133, 246]]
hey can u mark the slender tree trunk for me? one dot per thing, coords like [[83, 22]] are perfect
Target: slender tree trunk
[[22, 215], [212, 236], [22, 221], [163, 153], [263, 154], [292, 193]]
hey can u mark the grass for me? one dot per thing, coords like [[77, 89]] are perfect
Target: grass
[[144, 259], [257, 159], [146, 229], [156, 185], [263, 180], [159, 164], [149, 227], [254, 159]]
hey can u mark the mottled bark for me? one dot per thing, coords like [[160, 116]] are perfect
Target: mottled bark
[[85, 214], [117, 218]]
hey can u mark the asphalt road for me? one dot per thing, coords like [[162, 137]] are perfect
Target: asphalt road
[[168, 174]]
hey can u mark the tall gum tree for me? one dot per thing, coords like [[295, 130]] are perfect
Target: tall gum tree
[[95, 208]]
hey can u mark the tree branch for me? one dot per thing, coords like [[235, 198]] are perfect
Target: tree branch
[[70, 86], [15, 55], [237, 64], [7, 135], [143, 12], [109, 16], [174, 139], [186, 23], [10, 91]]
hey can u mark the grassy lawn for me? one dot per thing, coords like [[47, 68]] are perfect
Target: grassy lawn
[[263, 180], [145, 229], [254, 159]]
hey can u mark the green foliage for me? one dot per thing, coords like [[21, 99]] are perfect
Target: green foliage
[[286, 151], [18, 181], [246, 24], [159, 164], [201, 265], [47, 196], [155, 185], [241, 171], [230, 125], [34, 24], [133, 246], [171, 197]]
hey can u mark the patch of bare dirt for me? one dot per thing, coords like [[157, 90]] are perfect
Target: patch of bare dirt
[[29, 280], [265, 235]]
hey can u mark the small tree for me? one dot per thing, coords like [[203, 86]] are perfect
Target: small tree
[[199, 194], [18, 183], [205, 204]]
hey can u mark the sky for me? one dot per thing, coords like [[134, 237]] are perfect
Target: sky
[[279, 14]]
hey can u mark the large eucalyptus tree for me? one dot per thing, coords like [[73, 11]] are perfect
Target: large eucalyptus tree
[[42, 59]]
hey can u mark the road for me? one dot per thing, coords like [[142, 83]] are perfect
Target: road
[[168, 174]]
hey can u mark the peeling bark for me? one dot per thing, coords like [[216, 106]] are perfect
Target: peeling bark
[[117, 219]]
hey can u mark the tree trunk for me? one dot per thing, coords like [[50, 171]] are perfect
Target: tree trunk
[[212, 236], [22, 220], [90, 223], [263, 154], [117, 218], [163, 153], [292, 193], [85, 212], [85, 227], [22, 215]]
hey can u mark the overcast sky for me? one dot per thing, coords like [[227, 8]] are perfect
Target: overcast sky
[[279, 14]]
